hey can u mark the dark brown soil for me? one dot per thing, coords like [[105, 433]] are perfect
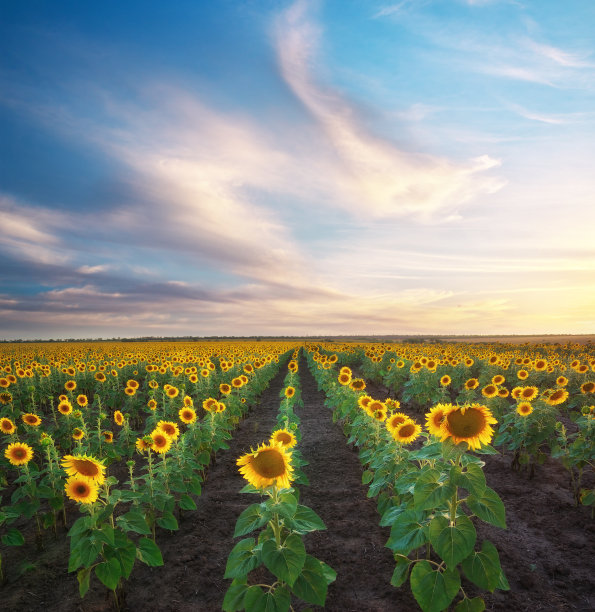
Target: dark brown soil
[[547, 552]]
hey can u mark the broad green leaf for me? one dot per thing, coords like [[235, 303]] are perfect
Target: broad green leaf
[[252, 518], [367, 477], [329, 573], [134, 521], [168, 521], [84, 577], [476, 604], [452, 542], [148, 552], [234, 597], [305, 520], [391, 515], [401, 571], [187, 503], [311, 584], [109, 572], [285, 562], [488, 507], [125, 551], [473, 479], [13, 537], [407, 533], [242, 559], [257, 600], [429, 492], [483, 568], [285, 507], [433, 590]]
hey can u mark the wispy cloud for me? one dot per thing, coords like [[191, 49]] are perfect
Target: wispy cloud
[[371, 169]]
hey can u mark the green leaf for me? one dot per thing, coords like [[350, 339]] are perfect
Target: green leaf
[[483, 568], [148, 552], [401, 571], [367, 477], [391, 515], [194, 486], [305, 520], [187, 503], [13, 537], [125, 551], [434, 590], [311, 584], [407, 533], [109, 572], [330, 575], [133, 521], [252, 518], [452, 542], [285, 507], [473, 479], [476, 604], [429, 492], [488, 507], [84, 577], [241, 559], [168, 521], [287, 561], [80, 525], [257, 600], [234, 597]]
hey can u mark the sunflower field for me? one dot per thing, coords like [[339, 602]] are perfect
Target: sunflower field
[[384, 476]]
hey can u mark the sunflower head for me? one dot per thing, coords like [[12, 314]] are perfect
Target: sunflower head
[[169, 428], [31, 419], [357, 384], [407, 432], [81, 490], [83, 466], [395, 420], [65, 407], [557, 396], [471, 383], [161, 442], [266, 466], [445, 380], [435, 418], [283, 437], [524, 408], [470, 424], [118, 418], [82, 400], [289, 391], [344, 378], [18, 453], [187, 415]]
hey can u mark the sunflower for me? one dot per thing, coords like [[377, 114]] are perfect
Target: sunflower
[[18, 453], [108, 437], [435, 417], [373, 406], [289, 392], [524, 408], [82, 400], [172, 392], [5, 397], [100, 377], [224, 388], [346, 370], [132, 383], [540, 365], [70, 385], [516, 393], [344, 378], [394, 420], [84, 467], [161, 441], [471, 383], [557, 396], [406, 432], [81, 490], [31, 419], [469, 423], [153, 384], [210, 404], [142, 445], [188, 401], [267, 465], [65, 407], [4, 384], [588, 387], [392, 404], [522, 374], [357, 384], [237, 382], [221, 407], [283, 437], [529, 393], [118, 418], [379, 414], [445, 380], [498, 379], [503, 392], [363, 401], [561, 381], [78, 433], [152, 404], [130, 391], [489, 391], [169, 428], [187, 415]]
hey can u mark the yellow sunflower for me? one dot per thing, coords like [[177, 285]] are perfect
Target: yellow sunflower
[[130, 391], [108, 437], [528, 393], [118, 418], [152, 404], [142, 445], [172, 392], [161, 441], [18, 453], [283, 437], [224, 388], [445, 380], [498, 379], [31, 419], [236, 383], [524, 408], [82, 400], [344, 378], [471, 383], [289, 392], [561, 381], [84, 467], [5, 398], [435, 417], [357, 384], [489, 391], [267, 465], [78, 433], [221, 407], [588, 387], [395, 420], [210, 404], [169, 428], [187, 415], [406, 432], [556, 397], [470, 424], [363, 401], [81, 490], [70, 385], [522, 374]]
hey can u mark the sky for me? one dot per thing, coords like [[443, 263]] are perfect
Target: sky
[[269, 167]]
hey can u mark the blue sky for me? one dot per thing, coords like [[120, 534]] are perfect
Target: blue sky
[[308, 167]]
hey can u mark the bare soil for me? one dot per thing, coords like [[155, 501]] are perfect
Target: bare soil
[[547, 552]]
